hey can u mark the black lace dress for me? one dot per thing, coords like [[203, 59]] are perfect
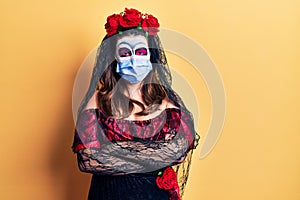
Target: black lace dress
[[129, 158]]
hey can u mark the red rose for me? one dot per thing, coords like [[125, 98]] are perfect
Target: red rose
[[112, 24], [150, 24], [131, 18], [167, 180]]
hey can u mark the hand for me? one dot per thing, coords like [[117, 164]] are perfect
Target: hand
[[168, 136]]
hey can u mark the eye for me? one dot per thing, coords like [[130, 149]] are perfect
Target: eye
[[124, 52], [141, 52]]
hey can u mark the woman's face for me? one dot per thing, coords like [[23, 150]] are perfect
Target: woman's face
[[133, 57]]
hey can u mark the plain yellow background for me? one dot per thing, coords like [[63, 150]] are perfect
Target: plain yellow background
[[255, 45]]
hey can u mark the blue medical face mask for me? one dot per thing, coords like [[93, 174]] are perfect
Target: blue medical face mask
[[133, 58], [134, 70]]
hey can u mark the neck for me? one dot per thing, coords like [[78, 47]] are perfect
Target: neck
[[133, 90]]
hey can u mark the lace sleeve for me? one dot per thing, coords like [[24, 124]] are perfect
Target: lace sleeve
[[100, 162], [154, 155], [123, 157]]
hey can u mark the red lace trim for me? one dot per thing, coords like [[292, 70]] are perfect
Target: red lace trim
[[94, 126]]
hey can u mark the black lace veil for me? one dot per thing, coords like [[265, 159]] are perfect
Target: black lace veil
[[105, 60]]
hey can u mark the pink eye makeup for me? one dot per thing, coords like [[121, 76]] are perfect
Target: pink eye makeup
[[141, 52], [125, 52]]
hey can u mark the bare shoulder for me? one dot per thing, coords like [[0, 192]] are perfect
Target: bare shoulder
[[92, 103], [169, 104]]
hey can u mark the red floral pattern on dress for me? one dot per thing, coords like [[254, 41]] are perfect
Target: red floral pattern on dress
[[94, 127], [86, 132]]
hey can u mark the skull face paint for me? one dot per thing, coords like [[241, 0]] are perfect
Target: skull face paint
[[133, 56]]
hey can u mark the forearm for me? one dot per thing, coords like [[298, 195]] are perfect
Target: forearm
[[151, 154], [101, 162]]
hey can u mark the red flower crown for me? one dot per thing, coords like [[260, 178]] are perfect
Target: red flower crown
[[130, 18]]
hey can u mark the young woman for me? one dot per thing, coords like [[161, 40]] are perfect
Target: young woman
[[133, 132]]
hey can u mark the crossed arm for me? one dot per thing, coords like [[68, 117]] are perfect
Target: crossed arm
[[122, 157]]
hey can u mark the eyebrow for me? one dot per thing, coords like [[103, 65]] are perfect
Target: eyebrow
[[130, 45]]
